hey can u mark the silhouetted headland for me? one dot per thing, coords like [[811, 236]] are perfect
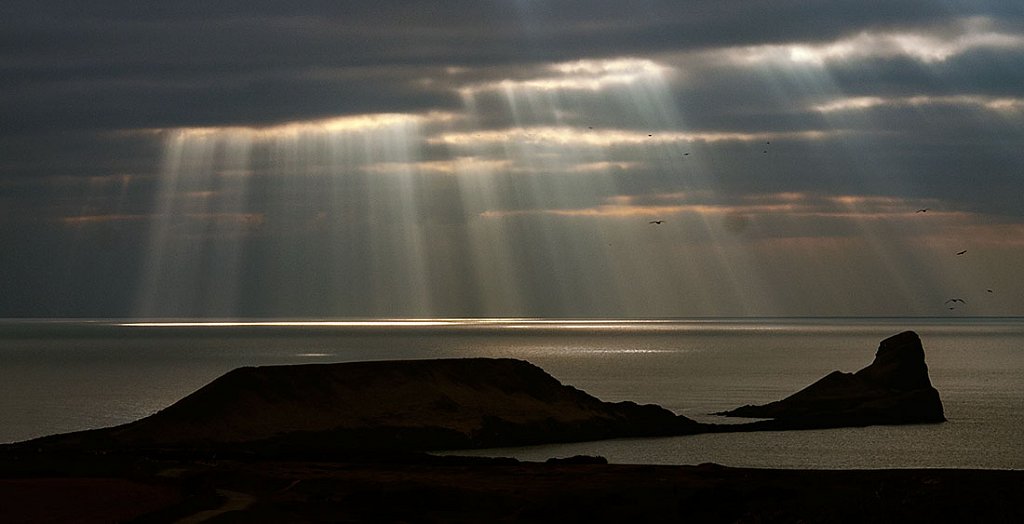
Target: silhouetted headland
[[339, 443], [409, 405], [423, 405], [894, 389]]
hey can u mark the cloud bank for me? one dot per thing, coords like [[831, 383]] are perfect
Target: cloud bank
[[506, 158]]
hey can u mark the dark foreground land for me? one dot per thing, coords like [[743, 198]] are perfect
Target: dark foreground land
[[425, 489], [112, 489], [348, 442]]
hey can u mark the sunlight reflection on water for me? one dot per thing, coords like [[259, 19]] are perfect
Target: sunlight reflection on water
[[70, 376]]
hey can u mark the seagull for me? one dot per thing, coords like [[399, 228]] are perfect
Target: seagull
[[955, 300], [655, 221], [925, 210], [961, 252]]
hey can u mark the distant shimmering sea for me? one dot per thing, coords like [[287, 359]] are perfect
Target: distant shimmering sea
[[61, 376]]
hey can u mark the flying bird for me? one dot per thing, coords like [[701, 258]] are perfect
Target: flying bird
[[655, 221], [925, 210], [955, 300], [989, 290], [961, 252]]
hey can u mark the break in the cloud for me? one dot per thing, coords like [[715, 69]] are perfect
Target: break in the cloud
[[928, 45], [1006, 106], [506, 158]]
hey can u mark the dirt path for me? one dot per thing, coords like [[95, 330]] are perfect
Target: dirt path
[[233, 501]]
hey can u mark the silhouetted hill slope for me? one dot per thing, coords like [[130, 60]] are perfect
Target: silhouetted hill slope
[[418, 405], [894, 389], [409, 405]]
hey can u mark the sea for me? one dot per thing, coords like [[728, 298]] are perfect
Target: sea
[[63, 376]]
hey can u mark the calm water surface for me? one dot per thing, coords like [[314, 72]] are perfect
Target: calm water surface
[[66, 376]]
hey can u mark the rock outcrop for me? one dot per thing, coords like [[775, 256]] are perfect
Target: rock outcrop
[[409, 405], [420, 405], [894, 389]]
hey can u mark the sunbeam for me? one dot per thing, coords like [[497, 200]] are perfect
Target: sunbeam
[[548, 143], [204, 216], [559, 164]]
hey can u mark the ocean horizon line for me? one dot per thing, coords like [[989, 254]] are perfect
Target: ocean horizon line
[[198, 322]]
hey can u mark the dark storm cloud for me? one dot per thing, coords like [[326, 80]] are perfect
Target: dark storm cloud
[[979, 71], [148, 64], [215, 99], [79, 181], [77, 153]]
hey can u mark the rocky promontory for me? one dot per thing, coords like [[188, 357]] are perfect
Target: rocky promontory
[[409, 405], [343, 442], [423, 405], [894, 389]]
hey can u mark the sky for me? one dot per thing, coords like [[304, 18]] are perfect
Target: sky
[[511, 158]]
